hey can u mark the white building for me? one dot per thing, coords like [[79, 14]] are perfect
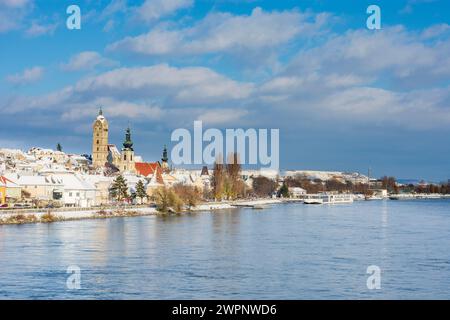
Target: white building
[[45, 188], [76, 191], [297, 192]]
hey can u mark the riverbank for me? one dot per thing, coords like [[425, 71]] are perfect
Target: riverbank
[[54, 215], [51, 216]]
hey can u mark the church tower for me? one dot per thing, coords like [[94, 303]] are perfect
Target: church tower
[[127, 163], [165, 161], [100, 141]]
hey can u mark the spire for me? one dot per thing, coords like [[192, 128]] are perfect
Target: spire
[[164, 155], [128, 144], [100, 114]]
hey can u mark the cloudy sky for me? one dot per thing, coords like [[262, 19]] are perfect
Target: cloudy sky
[[344, 97]]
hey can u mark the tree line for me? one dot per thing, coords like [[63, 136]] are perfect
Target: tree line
[[227, 184]]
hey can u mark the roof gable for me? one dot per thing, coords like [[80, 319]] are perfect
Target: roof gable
[[146, 168]]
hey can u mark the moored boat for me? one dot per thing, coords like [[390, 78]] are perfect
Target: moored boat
[[328, 198], [402, 196], [313, 201], [373, 197]]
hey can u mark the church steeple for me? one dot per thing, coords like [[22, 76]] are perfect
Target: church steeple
[[165, 158], [127, 155], [128, 144], [100, 141]]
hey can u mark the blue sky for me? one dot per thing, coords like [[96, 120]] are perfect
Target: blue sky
[[344, 97]]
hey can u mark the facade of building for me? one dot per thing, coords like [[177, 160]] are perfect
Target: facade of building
[[77, 192], [2, 190], [127, 156], [45, 188], [297, 192], [100, 141], [13, 191]]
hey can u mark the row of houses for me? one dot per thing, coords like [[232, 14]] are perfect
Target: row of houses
[[41, 177], [73, 189]]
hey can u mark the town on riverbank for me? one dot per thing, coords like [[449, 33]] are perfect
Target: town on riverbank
[[45, 185]]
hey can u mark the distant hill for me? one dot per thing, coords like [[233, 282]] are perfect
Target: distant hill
[[415, 181]]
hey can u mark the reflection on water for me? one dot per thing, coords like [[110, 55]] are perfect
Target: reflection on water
[[284, 252]]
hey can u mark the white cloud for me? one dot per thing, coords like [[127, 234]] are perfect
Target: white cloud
[[140, 93], [224, 32], [87, 60], [410, 4], [152, 10], [13, 13], [222, 116], [114, 7], [114, 108], [435, 31], [27, 76], [14, 3], [36, 29], [392, 77], [398, 56], [109, 25], [178, 85]]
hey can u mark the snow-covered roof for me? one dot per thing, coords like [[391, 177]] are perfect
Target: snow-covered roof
[[96, 178], [113, 149], [74, 182], [38, 181]]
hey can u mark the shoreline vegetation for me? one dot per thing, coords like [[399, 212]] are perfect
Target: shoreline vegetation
[[51, 216], [29, 216]]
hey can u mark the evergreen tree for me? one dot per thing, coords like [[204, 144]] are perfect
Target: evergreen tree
[[58, 147], [119, 188], [284, 191], [140, 190]]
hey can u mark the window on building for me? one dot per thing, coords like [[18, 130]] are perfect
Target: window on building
[[78, 194], [98, 141], [131, 158], [70, 194], [125, 157]]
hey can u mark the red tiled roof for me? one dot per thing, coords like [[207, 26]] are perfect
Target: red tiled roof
[[159, 177], [4, 180], [146, 168]]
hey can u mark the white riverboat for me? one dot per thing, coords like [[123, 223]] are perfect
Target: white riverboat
[[327, 198], [373, 197], [402, 196]]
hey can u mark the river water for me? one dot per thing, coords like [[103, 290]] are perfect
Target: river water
[[287, 251]]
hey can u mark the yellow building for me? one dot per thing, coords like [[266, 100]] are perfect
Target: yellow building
[[127, 155], [102, 152], [100, 141], [2, 193], [9, 190]]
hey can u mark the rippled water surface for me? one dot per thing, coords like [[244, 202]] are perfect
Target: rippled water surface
[[289, 251]]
